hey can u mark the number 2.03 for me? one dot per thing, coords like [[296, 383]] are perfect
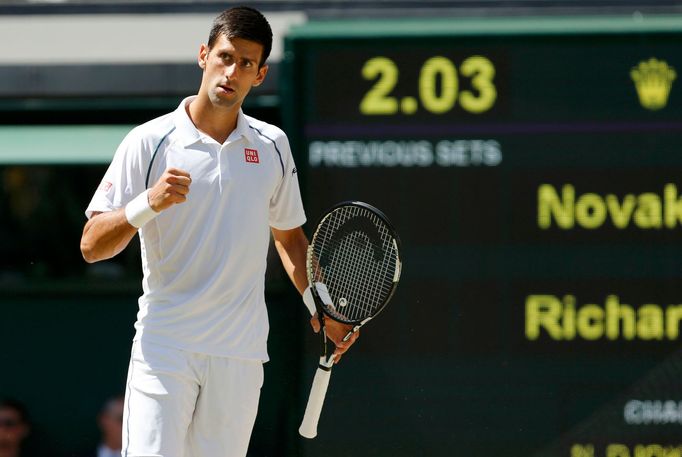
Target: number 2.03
[[384, 71]]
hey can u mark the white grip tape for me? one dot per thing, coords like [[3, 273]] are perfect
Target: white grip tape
[[138, 211], [308, 428]]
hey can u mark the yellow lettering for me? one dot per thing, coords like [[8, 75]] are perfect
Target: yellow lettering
[[482, 72], [569, 317], [590, 211], [649, 212], [615, 313], [651, 450], [650, 322], [673, 206], [543, 311], [438, 69], [561, 318], [590, 322], [582, 450], [549, 204], [377, 100], [668, 451], [640, 450], [672, 321], [620, 214], [617, 450]]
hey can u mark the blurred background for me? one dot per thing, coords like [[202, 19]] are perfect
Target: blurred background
[[528, 152]]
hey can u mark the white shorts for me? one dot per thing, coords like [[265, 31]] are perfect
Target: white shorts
[[183, 404]]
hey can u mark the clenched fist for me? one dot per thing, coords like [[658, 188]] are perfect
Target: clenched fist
[[171, 188]]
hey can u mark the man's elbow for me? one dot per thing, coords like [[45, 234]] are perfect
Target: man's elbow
[[88, 252]]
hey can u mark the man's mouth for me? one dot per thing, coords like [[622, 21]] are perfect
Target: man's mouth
[[226, 88]]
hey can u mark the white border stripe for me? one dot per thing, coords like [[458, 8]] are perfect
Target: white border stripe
[[124, 38]]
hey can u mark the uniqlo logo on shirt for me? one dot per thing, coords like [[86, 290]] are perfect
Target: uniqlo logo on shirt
[[105, 186], [251, 155]]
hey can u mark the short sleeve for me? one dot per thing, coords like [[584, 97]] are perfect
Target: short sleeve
[[286, 207], [123, 180]]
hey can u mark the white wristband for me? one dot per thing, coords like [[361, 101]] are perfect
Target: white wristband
[[322, 293], [309, 300], [138, 211]]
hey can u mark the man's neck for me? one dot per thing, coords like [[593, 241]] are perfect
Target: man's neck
[[14, 452], [111, 444], [214, 122]]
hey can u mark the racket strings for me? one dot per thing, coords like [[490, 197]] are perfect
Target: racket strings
[[358, 284], [354, 291], [372, 281]]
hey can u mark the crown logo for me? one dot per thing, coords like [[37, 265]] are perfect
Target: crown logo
[[653, 80]]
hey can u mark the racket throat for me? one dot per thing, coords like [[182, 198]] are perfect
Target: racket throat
[[355, 329], [326, 364]]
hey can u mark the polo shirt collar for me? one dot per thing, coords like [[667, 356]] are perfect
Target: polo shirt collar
[[189, 134], [244, 128], [184, 125]]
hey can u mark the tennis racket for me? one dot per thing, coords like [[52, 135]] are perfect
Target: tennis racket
[[353, 266]]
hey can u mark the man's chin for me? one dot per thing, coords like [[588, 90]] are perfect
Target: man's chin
[[224, 100]]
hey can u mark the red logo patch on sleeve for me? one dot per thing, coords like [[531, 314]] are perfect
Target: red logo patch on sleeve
[[251, 155], [105, 186]]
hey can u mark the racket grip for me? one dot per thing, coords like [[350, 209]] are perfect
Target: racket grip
[[308, 428]]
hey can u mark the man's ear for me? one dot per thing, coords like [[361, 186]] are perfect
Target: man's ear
[[261, 76], [203, 56]]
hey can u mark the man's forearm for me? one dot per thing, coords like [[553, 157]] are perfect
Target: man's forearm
[[292, 247], [105, 235]]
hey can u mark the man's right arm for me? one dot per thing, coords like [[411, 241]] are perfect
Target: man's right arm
[[108, 233], [105, 235]]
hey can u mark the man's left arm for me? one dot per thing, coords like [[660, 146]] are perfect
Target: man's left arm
[[292, 246]]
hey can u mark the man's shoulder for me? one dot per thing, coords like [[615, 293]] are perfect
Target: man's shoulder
[[155, 128], [263, 129]]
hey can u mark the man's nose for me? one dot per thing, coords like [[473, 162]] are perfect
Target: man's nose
[[231, 70]]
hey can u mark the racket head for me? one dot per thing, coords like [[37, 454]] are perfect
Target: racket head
[[353, 262]]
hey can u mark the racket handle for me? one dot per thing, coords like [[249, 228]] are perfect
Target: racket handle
[[308, 428]]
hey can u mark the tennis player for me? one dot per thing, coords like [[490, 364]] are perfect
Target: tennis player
[[204, 186]]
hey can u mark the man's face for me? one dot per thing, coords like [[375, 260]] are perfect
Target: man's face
[[231, 70], [111, 423], [12, 431]]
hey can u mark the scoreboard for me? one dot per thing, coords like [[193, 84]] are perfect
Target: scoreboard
[[533, 167]]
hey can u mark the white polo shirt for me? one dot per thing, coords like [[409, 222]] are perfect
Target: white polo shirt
[[204, 260]]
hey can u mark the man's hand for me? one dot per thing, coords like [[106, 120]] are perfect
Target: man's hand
[[171, 188], [336, 331]]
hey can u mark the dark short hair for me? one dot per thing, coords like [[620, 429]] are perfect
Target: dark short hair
[[245, 23], [18, 407]]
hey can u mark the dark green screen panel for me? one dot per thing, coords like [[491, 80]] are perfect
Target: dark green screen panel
[[532, 168]]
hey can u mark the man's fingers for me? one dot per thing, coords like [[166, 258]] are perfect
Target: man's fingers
[[343, 346], [177, 197], [178, 189], [177, 172], [171, 188], [352, 335], [163, 196], [184, 181], [346, 344], [315, 323]]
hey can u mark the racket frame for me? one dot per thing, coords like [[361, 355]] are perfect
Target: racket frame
[[308, 428], [310, 269]]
